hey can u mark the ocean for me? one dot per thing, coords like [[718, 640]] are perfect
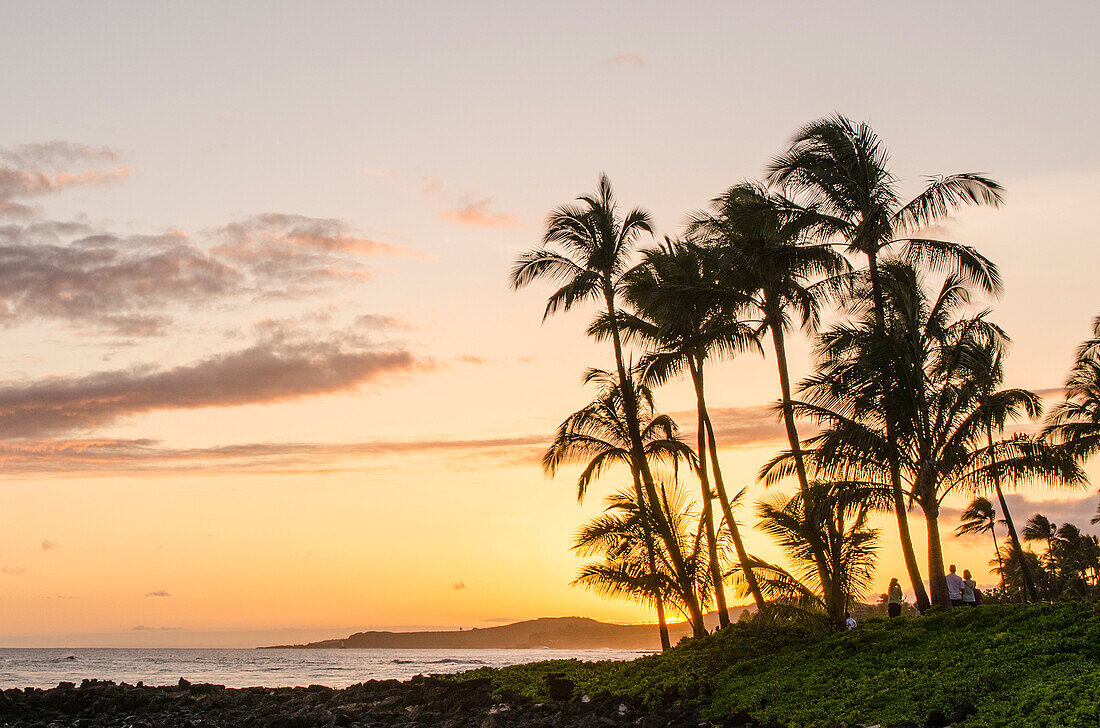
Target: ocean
[[238, 668]]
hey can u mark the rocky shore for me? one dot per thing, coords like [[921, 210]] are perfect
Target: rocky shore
[[423, 702], [420, 702]]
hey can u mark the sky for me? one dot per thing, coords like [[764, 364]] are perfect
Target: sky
[[263, 374]]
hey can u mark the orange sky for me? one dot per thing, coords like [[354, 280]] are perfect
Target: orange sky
[[262, 370]]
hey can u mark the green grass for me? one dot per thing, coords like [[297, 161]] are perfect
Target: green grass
[[1020, 666]]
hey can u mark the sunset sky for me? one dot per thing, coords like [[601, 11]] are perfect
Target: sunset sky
[[263, 376]]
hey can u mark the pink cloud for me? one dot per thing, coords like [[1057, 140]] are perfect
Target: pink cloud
[[632, 60], [478, 214]]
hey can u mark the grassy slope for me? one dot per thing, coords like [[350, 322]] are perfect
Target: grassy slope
[[1020, 666]]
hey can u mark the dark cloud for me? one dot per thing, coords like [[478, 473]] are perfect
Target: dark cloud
[[269, 371], [109, 282], [12, 570], [48, 545], [143, 628], [158, 593], [459, 586]]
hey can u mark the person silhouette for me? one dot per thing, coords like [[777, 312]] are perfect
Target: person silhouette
[[954, 587], [894, 598], [969, 587]]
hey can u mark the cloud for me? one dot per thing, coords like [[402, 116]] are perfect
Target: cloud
[[626, 60], [740, 426], [478, 214], [459, 586], [158, 593], [12, 570], [48, 545], [138, 457], [112, 283], [56, 155], [1077, 510], [88, 277], [143, 628], [275, 370], [32, 170]]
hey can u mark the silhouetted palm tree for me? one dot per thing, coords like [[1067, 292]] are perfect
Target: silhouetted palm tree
[[684, 320], [1040, 528], [598, 436], [933, 360], [587, 248], [762, 244], [849, 545], [1075, 423], [980, 517], [626, 569], [841, 167]]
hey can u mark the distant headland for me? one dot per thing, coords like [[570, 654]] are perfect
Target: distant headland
[[569, 633]]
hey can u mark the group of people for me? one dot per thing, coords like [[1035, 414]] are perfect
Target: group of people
[[961, 590]]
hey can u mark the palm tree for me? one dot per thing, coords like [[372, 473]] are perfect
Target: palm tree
[[1075, 423], [627, 568], [980, 517], [684, 320], [849, 545], [587, 248], [933, 361], [841, 167], [598, 436], [1040, 528], [762, 244]]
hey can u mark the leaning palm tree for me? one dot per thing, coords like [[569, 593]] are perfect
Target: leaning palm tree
[[841, 167], [764, 248], [1075, 423], [598, 436], [684, 321], [929, 432], [587, 248], [980, 517], [849, 544], [626, 569]]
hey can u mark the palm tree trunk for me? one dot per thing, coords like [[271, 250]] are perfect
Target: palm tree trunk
[[647, 530], [775, 323], [937, 575], [1030, 593], [723, 498], [708, 499], [997, 549], [637, 451], [896, 491], [662, 625]]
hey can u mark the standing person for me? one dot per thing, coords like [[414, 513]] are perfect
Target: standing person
[[893, 597], [954, 587], [970, 599], [849, 621]]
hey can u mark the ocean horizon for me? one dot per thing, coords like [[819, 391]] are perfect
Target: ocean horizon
[[45, 667]]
